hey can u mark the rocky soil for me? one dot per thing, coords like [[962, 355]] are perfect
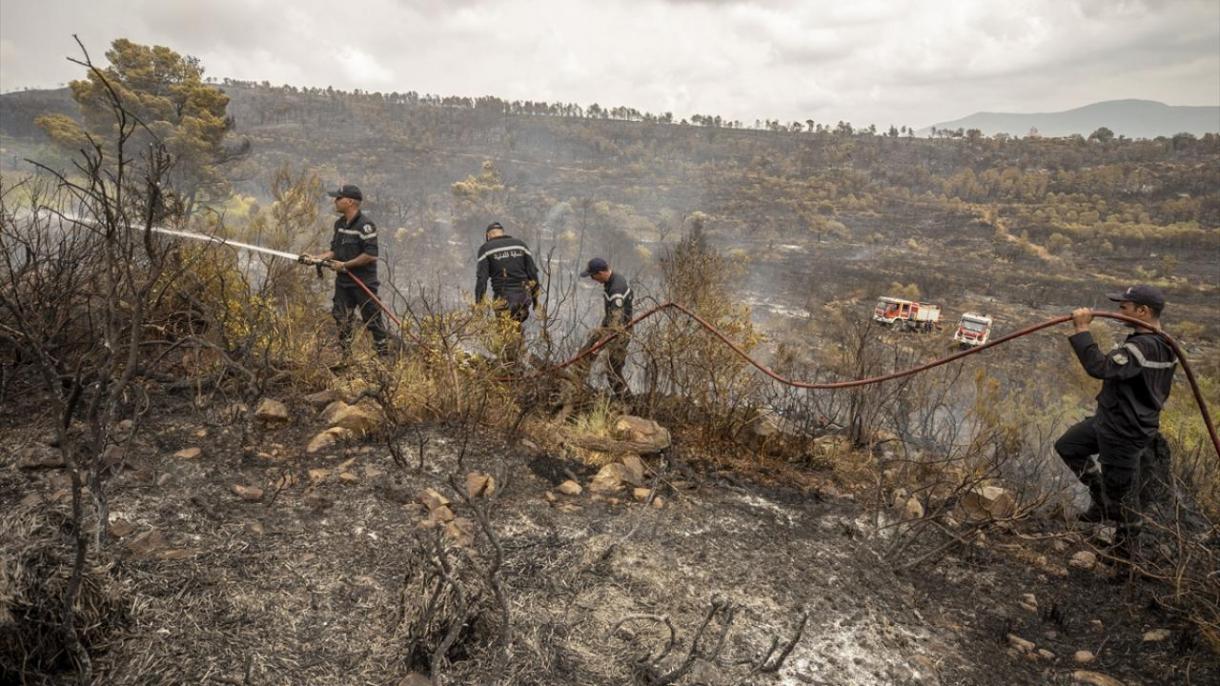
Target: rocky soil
[[239, 557]]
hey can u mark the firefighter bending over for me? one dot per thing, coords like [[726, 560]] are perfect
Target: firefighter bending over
[[618, 302]]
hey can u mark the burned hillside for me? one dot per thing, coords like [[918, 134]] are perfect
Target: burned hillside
[[201, 485]]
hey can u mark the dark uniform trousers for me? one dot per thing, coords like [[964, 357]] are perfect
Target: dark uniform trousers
[[1111, 477], [515, 305], [1136, 380], [349, 299], [508, 263], [350, 240]]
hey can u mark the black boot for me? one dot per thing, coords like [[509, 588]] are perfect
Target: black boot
[[1097, 512]]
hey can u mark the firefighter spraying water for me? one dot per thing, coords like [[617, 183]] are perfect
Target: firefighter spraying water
[[888, 310]]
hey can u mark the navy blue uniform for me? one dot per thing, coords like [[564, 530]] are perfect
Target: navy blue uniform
[[510, 266], [350, 240], [618, 302], [1136, 379]]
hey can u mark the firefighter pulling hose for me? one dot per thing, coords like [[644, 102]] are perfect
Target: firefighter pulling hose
[[835, 385]]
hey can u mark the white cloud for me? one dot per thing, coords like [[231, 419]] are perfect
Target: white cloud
[[884, 61]]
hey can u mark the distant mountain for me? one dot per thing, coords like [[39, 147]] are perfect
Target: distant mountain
[[1130, 118]]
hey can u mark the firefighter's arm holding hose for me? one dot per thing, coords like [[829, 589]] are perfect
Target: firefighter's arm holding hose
[[355, 263], [315, 261], [1118, 364], [327, 259], [1081, 318], [320, 258]]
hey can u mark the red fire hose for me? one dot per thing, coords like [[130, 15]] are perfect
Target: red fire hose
[[837, 385], [305, 259]]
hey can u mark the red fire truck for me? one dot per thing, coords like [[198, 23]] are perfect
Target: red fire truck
[[972, 330], [906, 314]]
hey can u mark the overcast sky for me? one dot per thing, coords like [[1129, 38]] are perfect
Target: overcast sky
[[914, 62]]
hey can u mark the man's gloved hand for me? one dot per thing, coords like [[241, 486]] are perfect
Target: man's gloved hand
[[306, 259]]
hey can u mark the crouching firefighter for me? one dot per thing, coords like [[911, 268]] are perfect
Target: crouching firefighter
[[353, 255], [1104, 450], [510, 266]]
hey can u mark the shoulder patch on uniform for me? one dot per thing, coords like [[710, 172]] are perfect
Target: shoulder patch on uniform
[[368, 227], [1142, 360], [1120, 358]]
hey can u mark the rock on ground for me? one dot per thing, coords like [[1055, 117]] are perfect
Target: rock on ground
[[652, 436], [1084, 559], [1082, 676], [609, 479], [984, 502], [271, 412], [359, 419], [326, 439], [321, 399]]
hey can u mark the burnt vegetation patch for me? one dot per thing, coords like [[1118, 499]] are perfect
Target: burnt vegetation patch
[[202, 491]]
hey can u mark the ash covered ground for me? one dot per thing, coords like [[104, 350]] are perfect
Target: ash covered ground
[[317, 579]]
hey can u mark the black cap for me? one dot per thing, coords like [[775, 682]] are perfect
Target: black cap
[[492, 226], [1140, 295], [347, 191], [596, 265]]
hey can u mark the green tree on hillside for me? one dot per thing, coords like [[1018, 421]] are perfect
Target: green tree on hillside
[[1102, 135], [478, 200], [167, 98]]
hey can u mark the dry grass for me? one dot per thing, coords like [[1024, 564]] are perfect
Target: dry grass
[[34, 573], [330, 581], [598, 421]]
